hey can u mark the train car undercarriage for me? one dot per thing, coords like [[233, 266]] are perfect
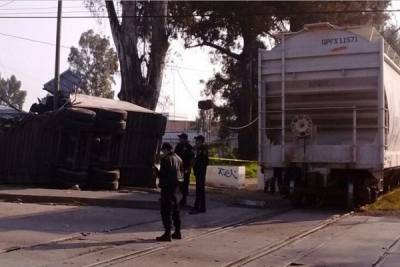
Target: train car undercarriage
[[305, 186]]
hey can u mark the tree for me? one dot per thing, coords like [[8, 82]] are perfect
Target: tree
[[343, 13], [141, 32], [164, 103], [236, 33], [11, 93], [96, 62]]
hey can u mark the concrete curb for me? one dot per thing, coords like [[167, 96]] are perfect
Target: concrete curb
[[80, 201]]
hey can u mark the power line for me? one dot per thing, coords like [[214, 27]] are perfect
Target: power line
[[32, 40], [241, 127], [44, 12], [211, 15], [187, 68], [38, 8], [185, 86]]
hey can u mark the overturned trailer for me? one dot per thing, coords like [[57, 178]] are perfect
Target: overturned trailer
[[141, 142], [91, 142], [329, 114]]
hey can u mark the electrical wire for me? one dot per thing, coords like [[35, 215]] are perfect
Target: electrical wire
[[211, 15], [9, 104], [242, 127], [39, 8], [45, 12], [32, 40], [187, 68], [185, 86], [67, 47]]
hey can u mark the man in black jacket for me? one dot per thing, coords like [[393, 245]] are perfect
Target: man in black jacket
[[185, 151], [200, 169], [170, 169]]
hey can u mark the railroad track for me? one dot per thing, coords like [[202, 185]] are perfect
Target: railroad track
[[72, 237], [263, 251], [252, 256], [214, 231]]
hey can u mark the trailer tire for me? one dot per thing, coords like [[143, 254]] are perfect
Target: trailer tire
[[112, 114], [68, 178], [113, 186], [111, 126], [80, 114], [77, 125], [101, 175]]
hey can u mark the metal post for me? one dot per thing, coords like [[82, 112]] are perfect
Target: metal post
[[283, 77], [57, 67], [354, 134], [261, 118], [381, 104]]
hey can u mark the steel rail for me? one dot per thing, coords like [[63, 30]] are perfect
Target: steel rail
[[280, 244], [154, 249]]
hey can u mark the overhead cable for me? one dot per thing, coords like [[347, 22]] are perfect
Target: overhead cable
[[185, 86], [39, 8], [242, 127], [32, 40], [212, 15]]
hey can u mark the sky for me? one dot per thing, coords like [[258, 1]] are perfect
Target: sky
[[33, 63]]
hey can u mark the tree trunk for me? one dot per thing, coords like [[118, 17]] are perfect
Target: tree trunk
[[159, 48], [140, 88], [247, 138]]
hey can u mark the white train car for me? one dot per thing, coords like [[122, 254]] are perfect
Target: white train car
[[329, 114]]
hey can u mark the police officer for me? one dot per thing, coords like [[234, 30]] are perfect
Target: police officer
[[170, 169], [199, 169], [185, 151]]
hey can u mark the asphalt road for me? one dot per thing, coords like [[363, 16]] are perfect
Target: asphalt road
[[54, 235]]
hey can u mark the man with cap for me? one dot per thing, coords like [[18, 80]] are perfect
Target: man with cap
[[185, 151], [199, 169], [170, 169]]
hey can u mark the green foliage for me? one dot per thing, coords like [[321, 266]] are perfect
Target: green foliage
[[392, 37], [335, 13], [96, 62], [222, 150], [11, 93]]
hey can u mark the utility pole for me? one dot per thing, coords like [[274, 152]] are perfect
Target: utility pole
[[57, 67]]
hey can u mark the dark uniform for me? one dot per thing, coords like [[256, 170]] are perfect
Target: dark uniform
[[170, 168], [185, 152], [199, 169]]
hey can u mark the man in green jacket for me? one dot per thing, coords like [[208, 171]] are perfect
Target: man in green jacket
[[170, 169]]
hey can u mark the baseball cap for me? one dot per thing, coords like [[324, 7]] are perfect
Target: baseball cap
[[183, 136], [200, 137], [167, 146]]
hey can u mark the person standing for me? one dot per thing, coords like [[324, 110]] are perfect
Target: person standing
[[170, 169], [200, 169], [185, 151]]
